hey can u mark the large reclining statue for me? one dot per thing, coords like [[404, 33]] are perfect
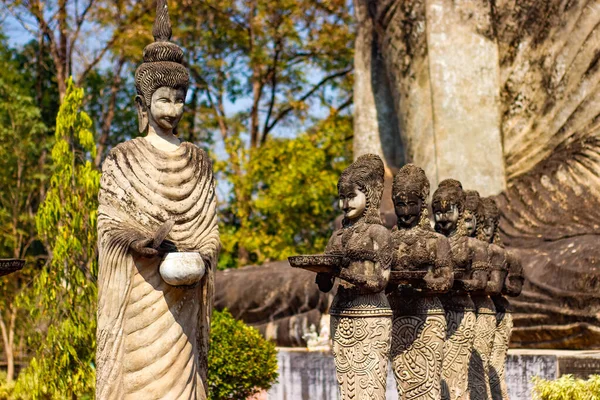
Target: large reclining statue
[[504, 96]]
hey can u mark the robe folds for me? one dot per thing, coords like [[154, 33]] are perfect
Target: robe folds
[[152, 338]]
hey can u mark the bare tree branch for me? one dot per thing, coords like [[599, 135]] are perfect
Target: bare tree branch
[[315, 88]]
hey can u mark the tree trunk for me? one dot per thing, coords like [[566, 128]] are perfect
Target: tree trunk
[[108, 117], [8, 336]]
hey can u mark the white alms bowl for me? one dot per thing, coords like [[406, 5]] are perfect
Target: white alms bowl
[[185, 268]]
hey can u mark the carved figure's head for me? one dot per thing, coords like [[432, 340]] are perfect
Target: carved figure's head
[[448, 205], [360, 189], [410, 191], [490, 220], [161, 80], [473, 212]]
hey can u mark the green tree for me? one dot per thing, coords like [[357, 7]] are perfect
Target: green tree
[[22, 140], [240, 361], [291, 189], [259, 69], [63, 295]]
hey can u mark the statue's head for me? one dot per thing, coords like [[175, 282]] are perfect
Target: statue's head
[[161, 80], [473, 212], [410, 191], [448, 205], [490, 220], [360, 189]]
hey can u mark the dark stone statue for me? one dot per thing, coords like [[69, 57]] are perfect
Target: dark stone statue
[[421, 269], [470, 261], [359, 255]]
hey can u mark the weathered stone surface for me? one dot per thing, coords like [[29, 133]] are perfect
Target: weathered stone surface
[[505, 95], [463, 71], [375, 123]]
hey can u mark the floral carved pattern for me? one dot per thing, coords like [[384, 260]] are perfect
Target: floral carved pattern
[[460, 333], [361, 348], [504, 325], [418, 347], [485, 330]]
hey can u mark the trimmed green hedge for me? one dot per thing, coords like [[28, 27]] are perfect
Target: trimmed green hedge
[[567, 388], [240, 361]]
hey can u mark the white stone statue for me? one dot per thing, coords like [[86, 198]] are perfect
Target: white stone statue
[[158, 244]]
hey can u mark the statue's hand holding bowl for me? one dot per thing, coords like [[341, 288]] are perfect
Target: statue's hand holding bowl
[[182, 269], [144, 248]]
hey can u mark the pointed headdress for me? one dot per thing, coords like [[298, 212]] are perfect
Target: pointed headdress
[[162, 64], [449, 191]]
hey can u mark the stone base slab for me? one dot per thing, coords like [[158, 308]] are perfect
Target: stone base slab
[[310, 375]]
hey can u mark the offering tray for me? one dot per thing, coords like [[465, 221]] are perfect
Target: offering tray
[[317, 263], [406, 276], [8, 266]]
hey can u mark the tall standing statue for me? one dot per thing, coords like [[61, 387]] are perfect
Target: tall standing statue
[[485, 326], [469, 257], [158, 244], [421, 269], [512, 287], [359, 254]]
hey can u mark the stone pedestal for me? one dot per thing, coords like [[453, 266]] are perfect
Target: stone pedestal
[[306, 375]]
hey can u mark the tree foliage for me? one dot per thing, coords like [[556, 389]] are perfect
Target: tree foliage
[[290, 189], [567, 388], [64, 294], [240, 361], [22, 141]]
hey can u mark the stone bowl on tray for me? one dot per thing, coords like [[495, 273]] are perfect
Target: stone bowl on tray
[[8, 266], [406, 276], [317, 263]]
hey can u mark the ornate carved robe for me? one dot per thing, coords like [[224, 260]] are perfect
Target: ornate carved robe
[[153, 337]]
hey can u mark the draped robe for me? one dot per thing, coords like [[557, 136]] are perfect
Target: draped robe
[[152, 338]]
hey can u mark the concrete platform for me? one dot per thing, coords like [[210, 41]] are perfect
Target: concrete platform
[[310, 375]]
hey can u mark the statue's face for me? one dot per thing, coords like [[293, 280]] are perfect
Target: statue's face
[[470, 223], [446, 217], [352, 201], [166, 108], [408, 208], [488, 229]]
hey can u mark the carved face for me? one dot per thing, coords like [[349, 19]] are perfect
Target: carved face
[[446, 217], [352, 201], [470, 223], [408, 208], [166, 109], [488, 229]]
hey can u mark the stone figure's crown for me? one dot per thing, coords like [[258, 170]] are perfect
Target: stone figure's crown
[[473, 202], [449, 191], [162, 59], [411, 178], [490, 209]]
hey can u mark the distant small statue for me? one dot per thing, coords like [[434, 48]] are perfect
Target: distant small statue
[[421, 269], [359, 255], [512, 285], [158, 244], [317, 341], [470, 261]]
